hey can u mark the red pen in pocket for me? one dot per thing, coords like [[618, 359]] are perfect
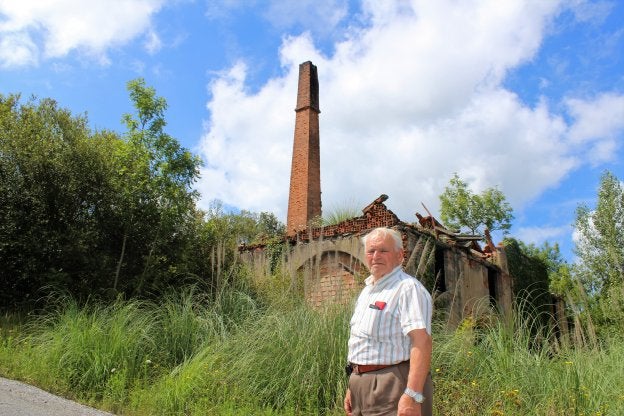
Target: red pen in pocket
[[379, 305]]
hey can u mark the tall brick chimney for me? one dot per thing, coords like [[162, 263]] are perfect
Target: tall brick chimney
[[304, 201]]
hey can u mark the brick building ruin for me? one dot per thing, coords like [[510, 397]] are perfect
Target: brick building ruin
[[463, 278]]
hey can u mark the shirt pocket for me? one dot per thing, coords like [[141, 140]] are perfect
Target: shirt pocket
[[375, 324]]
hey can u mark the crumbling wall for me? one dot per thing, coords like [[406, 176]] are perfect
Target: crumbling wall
[[330, 261], [419, 260], [332, 269], [374, 215], [467, 286], [340, 277]]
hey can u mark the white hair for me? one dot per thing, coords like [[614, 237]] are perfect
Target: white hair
[[384, 232]]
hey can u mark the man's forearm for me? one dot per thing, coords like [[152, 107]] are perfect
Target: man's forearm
[[420, 359]]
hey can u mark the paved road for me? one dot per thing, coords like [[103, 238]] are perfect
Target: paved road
[[19, 399]]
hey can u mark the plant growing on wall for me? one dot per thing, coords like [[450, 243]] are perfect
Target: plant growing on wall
[[461, 208]]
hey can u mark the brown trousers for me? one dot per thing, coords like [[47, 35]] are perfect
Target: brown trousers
[[377, 393]]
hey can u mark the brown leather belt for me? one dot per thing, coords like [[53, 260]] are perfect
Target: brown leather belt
[[367, 368]]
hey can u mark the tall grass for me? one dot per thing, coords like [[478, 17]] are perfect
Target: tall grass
[[341, 212], [94, 349], [520, 368], [100, 353], [282, 362], [229, 354]]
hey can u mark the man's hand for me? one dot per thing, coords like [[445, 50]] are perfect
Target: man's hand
[[408, 407], [347, 403]]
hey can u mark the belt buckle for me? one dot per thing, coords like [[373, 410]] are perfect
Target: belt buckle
[[352, 369]]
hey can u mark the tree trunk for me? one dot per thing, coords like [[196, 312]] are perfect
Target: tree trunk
[[123, 252]]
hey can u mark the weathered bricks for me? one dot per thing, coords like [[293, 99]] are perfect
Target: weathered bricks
[[304, 201]]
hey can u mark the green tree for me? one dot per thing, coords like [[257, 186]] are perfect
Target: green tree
[[600, 244], [157, 202], [242, 227], [220, 232], [54, 183], [460, 208], [87, 212], [269, 227]]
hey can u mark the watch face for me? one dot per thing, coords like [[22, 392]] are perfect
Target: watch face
[[417, 397]]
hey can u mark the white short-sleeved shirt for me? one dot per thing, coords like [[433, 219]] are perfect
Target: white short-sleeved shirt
[[385, 312]]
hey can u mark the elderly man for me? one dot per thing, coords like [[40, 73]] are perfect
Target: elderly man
[[390, 339]]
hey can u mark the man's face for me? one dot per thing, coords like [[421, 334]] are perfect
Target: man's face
[[382, 256]]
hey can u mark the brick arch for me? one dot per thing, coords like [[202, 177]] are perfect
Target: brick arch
[[303, 253], [332, 276]]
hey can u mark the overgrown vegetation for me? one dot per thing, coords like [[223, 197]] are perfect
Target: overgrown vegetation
[[118, 291], [236, 354], [341, 212], [520, 369], [102, 214], [530, 277]]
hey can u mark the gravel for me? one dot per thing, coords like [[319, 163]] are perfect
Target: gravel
[[19, 399]]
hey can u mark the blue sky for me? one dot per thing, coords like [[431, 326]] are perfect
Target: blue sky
[[527, 96]]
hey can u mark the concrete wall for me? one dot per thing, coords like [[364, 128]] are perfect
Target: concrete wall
[[330, 261], [466, 284]]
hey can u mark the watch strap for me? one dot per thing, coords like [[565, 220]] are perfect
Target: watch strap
[[415, 395]]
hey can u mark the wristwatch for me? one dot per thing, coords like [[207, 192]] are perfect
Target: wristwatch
[[416, 396]]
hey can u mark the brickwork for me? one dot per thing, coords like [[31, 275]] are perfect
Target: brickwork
[[338, 275], [337, 281], [304, 201], [375, 215], [331, 262], [308, 88]]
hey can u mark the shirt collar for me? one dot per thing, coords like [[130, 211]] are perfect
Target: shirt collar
[[370, 280]]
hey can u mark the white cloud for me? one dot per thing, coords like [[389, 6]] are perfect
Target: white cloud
[[152, 42], [597, 123], [596, 11], [408, 99], [320, 16], [17, 49], [538, 235], [52, 29], [247, 157]]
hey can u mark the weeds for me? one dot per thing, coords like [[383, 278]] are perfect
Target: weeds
[[230, 354]]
